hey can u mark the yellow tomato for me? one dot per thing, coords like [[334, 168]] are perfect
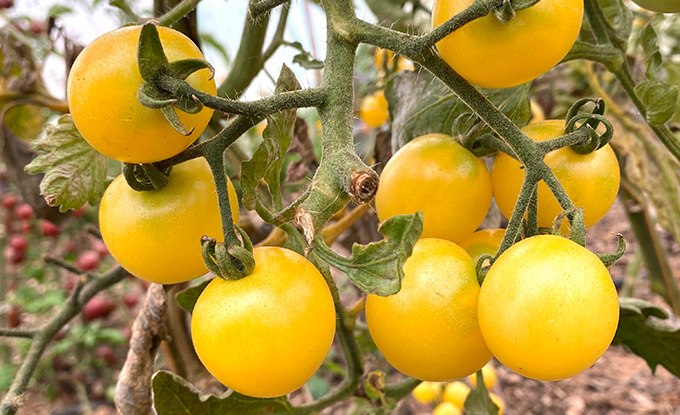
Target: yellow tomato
[[499, 403], [156, 235], [456, 393], [102, 97], [385, 54], [266, 334], [483, 242], [373, 109], [548, 308], [493, 54], [446, 408], [590, 180], [429, 330], [439, 177], [489, 374], [427, 392]]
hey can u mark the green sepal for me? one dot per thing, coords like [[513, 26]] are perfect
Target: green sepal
[[170, 115], [151, 97], [187, 298], [643, 331], [151, 58], [173, 395], [184, 67], [478, 401], [609, 259], [377, 268]]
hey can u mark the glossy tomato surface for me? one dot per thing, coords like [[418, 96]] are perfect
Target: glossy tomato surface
[[435, 175], [590, 180], [102, 97], [493, 54], [156, 235], [266, 334], [429, 329], [548, 308]]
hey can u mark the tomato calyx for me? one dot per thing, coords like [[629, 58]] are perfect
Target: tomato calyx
[[145, 177], [592, 121], [229, 262], [507, 11], [163, 80]]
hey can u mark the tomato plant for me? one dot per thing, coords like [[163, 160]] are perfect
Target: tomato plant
[[420, 176], [156, 235], [429, 329], [591, 180], [102, 97], [373, 109], [548, 308], [266, 334], [494, 54]]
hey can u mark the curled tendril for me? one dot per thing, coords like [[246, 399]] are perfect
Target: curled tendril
[[145, 177], [482, 267], [230, 262]]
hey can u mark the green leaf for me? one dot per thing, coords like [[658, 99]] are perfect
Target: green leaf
[[187, 298], [75, 173], [643, 331], [478, 401], [268, 158], [659, 99], [25, 121], [420, 104], [59, 10], [619, 18], [376, 268], [650, 48], [306, 61], [208, 39], [173, 395]]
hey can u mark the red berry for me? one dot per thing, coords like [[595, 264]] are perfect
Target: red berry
[[9, 201], [6, 4], [106, 353], [88, 260], [14, 316], [24, 211], [18, 242], [13, 256], [100, 306], [71, 247], [130, 300], [79, 212], [49, 228], [26, 226], [70, 282], [37, 27], [100, 249]]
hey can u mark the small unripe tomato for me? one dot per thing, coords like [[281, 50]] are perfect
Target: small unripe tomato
[[489, 375], [429, 329], [494, 54], [456, 393], [446, 408], [102, 96], [266, 334], [548, 308], [439, 177], [373, 109], [427, 392], [24, 211]]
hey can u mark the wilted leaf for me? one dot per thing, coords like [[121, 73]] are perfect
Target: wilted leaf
[[376, 268], [420, 104], [659, 99], [175, 396], [187, 298], [25, 121], [642, 329], [75, 173]]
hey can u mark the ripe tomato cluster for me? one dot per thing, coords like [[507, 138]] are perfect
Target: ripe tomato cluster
[[532, 310]]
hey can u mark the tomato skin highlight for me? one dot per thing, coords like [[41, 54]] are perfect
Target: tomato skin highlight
[[156, 235], [548, 308], [591, 180], [429, 329], [439, 177], [266, 334], [102, 96], [492, 54]]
